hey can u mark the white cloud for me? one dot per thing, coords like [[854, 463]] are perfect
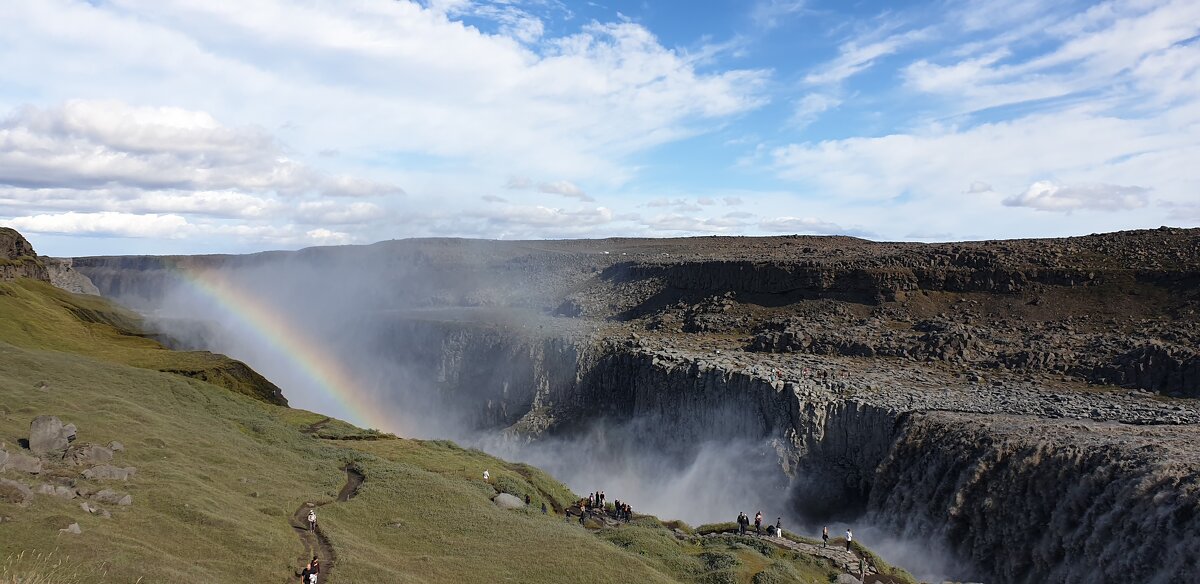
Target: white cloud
[[807, 109], [1052, 196], [769, 13], [106, 223], [807, 225], [857, 56], [85, 144], [566, 189]]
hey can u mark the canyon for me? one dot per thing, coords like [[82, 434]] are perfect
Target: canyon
[[1026, 407]]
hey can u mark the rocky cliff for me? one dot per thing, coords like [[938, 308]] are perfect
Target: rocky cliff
[[17, 258]]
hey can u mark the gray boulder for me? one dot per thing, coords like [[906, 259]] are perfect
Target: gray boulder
[[13, 492], [23, 463], [48, 435], [109, 472], [113, 497], [72, 529], [88, 453], [507, 501], [57, 491], [847, 579]]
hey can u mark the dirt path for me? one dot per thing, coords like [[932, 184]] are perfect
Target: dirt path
[[316, 543]]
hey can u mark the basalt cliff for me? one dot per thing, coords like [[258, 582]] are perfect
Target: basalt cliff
[[1030, 405]]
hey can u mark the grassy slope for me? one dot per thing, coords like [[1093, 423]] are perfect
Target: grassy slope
[[37, 315], [219, 473]]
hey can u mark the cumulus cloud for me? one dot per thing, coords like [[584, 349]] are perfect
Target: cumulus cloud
[[1052, 196], [89, 144], [105, 224], [169, 226], [566, 189]]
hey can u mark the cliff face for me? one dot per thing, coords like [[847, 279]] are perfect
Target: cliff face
[[1020, 498], [64, 276], [17, 258], [1038, 502]]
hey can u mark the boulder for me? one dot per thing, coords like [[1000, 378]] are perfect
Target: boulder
[[113, 497], [48, 435], [23, 463], [109, 472], [847, 579], [116, 446], [13, 492], [56, 491], [88, 453], [507, 501], [72, 528]]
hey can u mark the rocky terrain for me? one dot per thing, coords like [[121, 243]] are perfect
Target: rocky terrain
[[1029, 404]]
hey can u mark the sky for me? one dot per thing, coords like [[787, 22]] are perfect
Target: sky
[[191, 126]]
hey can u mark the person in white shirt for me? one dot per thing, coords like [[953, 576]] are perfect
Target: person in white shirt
[[849, 538]]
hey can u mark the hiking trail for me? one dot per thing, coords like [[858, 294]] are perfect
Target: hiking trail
[[316, 543]]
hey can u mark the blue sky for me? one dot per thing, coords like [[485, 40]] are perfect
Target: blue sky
[[182, 126]]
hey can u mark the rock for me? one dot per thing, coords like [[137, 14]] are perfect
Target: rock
[[24, 463], [72, 528], [847, 579], [116, 446], [13, 492], [48, 435], [507, 501], [88, 453], [56, 491], [109, 472], [88, 507], [113, 497]]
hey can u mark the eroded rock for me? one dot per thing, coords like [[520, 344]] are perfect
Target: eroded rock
[[109, 472], [13, 492], [507, 501]]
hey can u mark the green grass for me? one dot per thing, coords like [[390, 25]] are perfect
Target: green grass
[[220, 471], [37, 315]]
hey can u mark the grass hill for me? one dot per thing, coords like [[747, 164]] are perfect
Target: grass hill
[[224, 467]]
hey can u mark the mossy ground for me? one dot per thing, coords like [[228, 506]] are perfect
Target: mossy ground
[[221, 471]]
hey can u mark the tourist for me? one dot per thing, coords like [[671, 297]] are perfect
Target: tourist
[[778, 527], [742, 521], [825, 536], [312, 520], [758, 523], [305, 575], [527, 499], [314, 569], [849, 538], [486, 476], [543, 507]]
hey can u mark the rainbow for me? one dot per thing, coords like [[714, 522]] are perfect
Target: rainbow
[[287, 340]]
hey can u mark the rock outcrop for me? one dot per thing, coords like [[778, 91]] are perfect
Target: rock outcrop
[[17, 258], [64, 276]]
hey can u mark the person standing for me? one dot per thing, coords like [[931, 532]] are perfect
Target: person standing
[[778, 527], [758, 523], [312, 520], [486, 476], [825, 536], [849, 538]]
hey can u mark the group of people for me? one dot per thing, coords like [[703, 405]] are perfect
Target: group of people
[[598, 502], [743, 522], [310, 572], [776, 530]]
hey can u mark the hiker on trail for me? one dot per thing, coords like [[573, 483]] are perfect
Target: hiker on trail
[[527, 499], [849, 538], [314, 569], [543, 507], [778, 527], [602, 499], [305, 575], [758, 523], [486, 476], [312, 520], [825, 536], [742, 521]]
